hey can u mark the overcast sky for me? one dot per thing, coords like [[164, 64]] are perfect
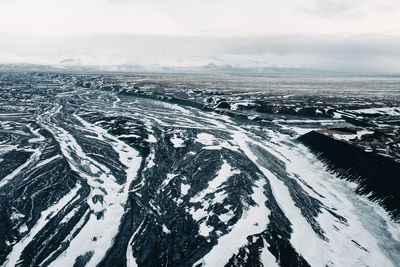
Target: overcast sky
[[331, 34]]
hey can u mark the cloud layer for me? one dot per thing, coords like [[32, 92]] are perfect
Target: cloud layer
[[199, 17], [359, 53]]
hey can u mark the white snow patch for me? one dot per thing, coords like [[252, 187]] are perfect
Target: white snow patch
[[205, 139], [204, 229], [165, 229], [223, 174], [151, 139], [15, 216], [266, 256], [394, 111], [170, 176], [39, 138], [177, 142], [46, 161], [253, 221], [129, 136], [185, 188], [23, 228], [150, 160], [226, 216], [348, 137]]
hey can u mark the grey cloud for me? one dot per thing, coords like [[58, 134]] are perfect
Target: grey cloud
[[350, 10], [334, 9]]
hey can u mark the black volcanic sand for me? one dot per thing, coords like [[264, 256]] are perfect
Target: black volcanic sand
[[38, 111]]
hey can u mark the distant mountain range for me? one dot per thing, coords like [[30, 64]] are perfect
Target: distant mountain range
[[73, 65]]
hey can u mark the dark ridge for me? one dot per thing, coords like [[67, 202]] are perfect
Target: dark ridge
[[277, 237], [130, 222], [59, 248], [346, 130], [356, 122], [12, 160], [223, 104], [50, 238], [310, 207], [376, 175], [83, 259], [7, 231], [191, 103], [116, 255]]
